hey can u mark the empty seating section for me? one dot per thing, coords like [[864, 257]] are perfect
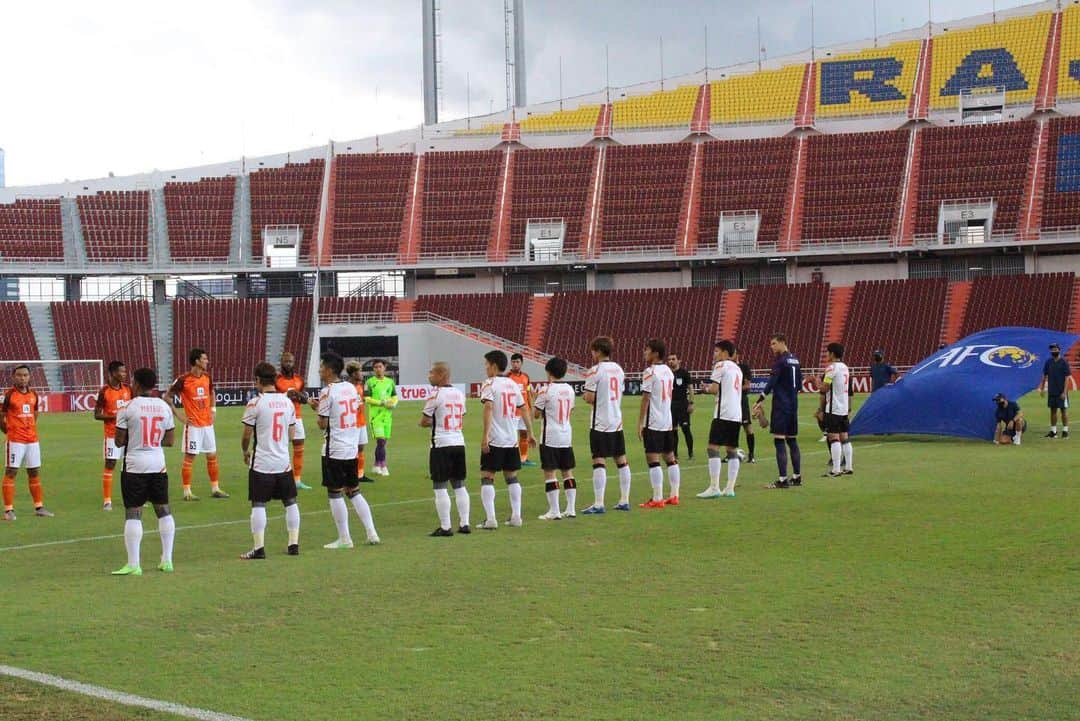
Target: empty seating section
[[232, 332], [871, 81], [974, 162], [115, 225], [200, 218], [357, 305], [763, 96], [17, 343], [1039, 300], [298, 333], [459, 201], [1006, 54], [287, 196], [105, 331], [684, 317], [1061, 199], [667, 108], [797, 311], [580, 119], [31, 229], [1068, 85], [642, 196], [370, 192], [550, 184], [745, 175], [853, 184], [504, 315], [901, 317]]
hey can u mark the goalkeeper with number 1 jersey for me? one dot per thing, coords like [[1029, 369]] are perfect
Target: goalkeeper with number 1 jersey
[[380, 395]]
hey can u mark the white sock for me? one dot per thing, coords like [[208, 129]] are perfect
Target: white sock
[[571, 501], [715, 466], [656, 480], [442, 507], [464, 504], [514, 489], [835, 451], [624, 484], [487, 498], [258, 525], [292, 523], [340, 512], [364, 511], [1016, 438], [732, 474], [167, 531], [132, 540], [553, 502], [674, 477], [849, 456], [1055, 429], [599, 485], [1065, 428]]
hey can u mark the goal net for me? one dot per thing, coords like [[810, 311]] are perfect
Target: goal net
[[57, 376]]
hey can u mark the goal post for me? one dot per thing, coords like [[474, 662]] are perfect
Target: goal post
[[79, 375]]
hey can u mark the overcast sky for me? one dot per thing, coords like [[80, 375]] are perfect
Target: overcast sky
[[88, 88]]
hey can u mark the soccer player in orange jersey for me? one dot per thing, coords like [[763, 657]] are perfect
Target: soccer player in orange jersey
[[291, 384], [195, 411], [113, 398], [18, 421], [356, 376], [522, 379]]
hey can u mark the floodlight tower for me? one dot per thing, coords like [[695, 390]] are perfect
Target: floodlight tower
[[514, 35], [432, 30]]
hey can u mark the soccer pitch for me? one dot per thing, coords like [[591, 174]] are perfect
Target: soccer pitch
[[939, 582]]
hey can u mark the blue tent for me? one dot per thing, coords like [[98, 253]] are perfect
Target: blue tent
[[951, 392]]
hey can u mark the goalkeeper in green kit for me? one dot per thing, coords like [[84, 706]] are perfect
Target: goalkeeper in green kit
[[380, 396]]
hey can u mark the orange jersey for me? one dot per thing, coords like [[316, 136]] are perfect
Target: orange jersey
[[111, 401], [522, 379], [197, 397], [284, 385], [20, 413], [361, 419]]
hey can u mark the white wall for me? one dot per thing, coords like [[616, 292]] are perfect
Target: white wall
[[483, 283], [1054, 264], [842, 275], [631, 281]]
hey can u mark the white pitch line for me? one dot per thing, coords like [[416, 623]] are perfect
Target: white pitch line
[[120, 697]]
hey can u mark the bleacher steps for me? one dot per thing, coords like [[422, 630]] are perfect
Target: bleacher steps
[[956, 300], [836, 315], [71, 227], [1032, 205], [804, 114], [687, 238], [727, 325], [161, 320], [320, 244], [248, 235], [904, 227], [701, 120], [277, 323], [920, 99], [409, 245], [237, 236], [159, 251], [791, 224], [41, 322], [331, 210], [403, 309], [603, 122], [499, 240], [590, 238], [1046, 97], [536, 327]]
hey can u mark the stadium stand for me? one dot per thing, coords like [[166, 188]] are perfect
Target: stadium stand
[[357, 305], [504, 315], [17, 342], [200, 218], [199, 324], [768, 95], [1006, 54], [287, 196], [31, 229], [550, 184], [1046, 301], [115, 225], [903, 317], [1068, 85], [459, 201], [298, 333], [642, 196], [685, 317], [797, 311], [745, 175], [369, 203], [987, 161], [868, 82], [665, 108], [582, 118], [1061, 199], [853, 184], [105, 331]]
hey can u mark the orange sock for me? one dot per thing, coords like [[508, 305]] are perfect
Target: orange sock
[[9, 492], [297, 462], [185, 473], [36, 493], [212, 471], [523, 448], [360, 464], [106, 484]]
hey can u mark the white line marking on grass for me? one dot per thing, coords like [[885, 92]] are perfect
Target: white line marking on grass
[[218, 524], [118, 696]]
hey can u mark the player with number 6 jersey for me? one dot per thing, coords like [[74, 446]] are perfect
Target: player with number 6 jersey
[[554, 404], [444, 414], [603, 391]]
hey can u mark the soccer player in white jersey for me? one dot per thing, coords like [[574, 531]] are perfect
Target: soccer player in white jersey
[[270, 418], [143, 427], [337, 406], [834, 409], [499, 448], [726, 383], [604, 392], [655, 425], [554, 404], [444, 413]]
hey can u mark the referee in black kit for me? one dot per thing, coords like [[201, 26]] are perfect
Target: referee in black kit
[[682, 404]]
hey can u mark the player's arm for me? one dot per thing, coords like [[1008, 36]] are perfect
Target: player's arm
[[643, 412], [893, 375], [323, 409], [245, 443], [427, 416], [167, 438], [99, 408], [526, 417], [488, 411], [588, 394], [3, 415], [370, 399], [121, 438], [175, 401]]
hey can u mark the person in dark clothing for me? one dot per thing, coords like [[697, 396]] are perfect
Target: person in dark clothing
[[785, 382], [1009, 421], [682, 403], [747, 418], [881, 373], [1056, 373]]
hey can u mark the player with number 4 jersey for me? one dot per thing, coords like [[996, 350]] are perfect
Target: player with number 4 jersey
[[444, 414], [604, 391]]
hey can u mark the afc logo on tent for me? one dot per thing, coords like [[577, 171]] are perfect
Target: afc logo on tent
[[997, 356]]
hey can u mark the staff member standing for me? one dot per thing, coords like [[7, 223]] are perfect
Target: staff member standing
[[682, 403], [1056, 372], [881, 373]]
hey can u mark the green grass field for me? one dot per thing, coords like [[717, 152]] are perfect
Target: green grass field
[[940, 582]]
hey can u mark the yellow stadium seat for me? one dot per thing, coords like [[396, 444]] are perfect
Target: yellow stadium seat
[[766, 95], [1069, 86], [660, 109], [871, 81], [564, 121]]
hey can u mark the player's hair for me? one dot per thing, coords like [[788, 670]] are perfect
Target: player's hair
[[726, 346], [195, 354], [352, 367], [657, 346], [837, 349], [145, 378], [333, 361], [377, 361], [496, 358], [517, 356], [603, 345], [556, 367], [779, 337], [21, 365], [265, 373], [441, 368], [115, 366]]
